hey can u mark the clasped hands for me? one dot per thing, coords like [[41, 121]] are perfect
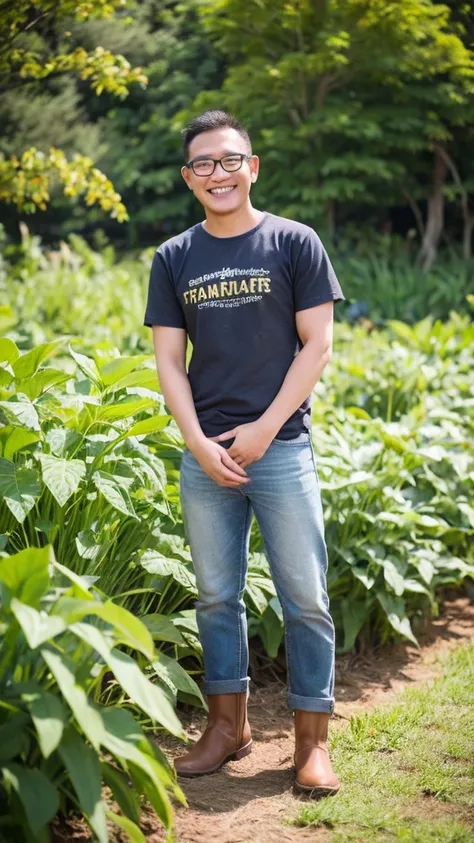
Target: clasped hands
[[227, 465]]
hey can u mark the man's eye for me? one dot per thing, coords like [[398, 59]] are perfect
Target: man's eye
[[202, 165], [232, 160]]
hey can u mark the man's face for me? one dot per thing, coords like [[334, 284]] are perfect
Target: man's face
[[222, 192]]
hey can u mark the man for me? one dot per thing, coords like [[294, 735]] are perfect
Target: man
[[255, 294]]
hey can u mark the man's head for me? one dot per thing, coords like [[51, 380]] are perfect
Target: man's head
[[224, 187]]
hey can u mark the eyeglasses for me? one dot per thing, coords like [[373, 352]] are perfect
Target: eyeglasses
[[206, 166]]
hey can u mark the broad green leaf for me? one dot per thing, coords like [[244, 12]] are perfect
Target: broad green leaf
[[62, 477], [123, 794], [394, 608], [125, 739], [353, 480], [6, 377], [393, 577], [8, 350], [26, 365], [128, 629], [37, 794], [145, 378], [148, 696], [168, 668], [61, 439], [130, 828], [87, 546], [15, 439], [354, 613], [394, 442], [124, 409], [37, 626], [50, 718], [161, 628], [159, 565], [26, 574], [151, 425], [111, 372], [14, 738], [116, 495], [362, 575], [87, 366], [88, 717], [156, 796], [21, 413], [35, 385], [82, 764], [80, 586], [271, 631], [19, 487]]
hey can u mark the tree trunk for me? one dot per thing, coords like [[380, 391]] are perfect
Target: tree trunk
[[435, 218]]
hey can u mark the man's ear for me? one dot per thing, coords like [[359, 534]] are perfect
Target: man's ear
[[254, 168], [186, 176]]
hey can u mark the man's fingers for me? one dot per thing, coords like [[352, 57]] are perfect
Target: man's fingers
[[232, 477], [231, 464]]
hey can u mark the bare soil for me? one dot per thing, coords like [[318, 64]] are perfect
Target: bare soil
[[249, 801]]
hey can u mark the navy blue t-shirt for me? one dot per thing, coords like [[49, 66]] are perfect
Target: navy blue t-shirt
[[237, 298]]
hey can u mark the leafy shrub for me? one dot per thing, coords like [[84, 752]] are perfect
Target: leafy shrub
[[393, 286], [58, 747], [73, 290], [90, 462]]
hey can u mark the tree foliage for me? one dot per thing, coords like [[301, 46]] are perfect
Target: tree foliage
[[359, 109], [35, 45], [346, 99]]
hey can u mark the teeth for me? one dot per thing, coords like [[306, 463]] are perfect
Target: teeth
[[221, 189]]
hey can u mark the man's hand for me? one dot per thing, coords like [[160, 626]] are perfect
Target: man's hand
[[251, 442], [218, 464]]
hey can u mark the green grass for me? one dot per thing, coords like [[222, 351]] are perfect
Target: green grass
[[407, 769]]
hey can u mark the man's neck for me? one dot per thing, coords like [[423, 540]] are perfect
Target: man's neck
[[220, 225]]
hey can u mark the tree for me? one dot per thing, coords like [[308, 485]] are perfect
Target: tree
[[347, 99], [34, 45], [144, 155]]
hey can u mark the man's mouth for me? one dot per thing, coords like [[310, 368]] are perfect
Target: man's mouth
[[219, 191]]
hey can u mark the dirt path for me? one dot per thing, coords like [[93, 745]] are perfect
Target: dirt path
[[249, 800]]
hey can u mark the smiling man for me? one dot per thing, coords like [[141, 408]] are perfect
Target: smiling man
[[255, 293]]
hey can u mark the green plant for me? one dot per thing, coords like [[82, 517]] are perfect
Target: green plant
[[59, 644]]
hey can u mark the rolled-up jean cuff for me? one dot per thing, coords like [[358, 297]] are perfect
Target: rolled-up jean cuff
[[325, 706], [226, 686]]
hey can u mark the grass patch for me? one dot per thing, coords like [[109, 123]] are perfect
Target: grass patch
[[407, 769]]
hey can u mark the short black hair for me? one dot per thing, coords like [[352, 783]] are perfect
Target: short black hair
[[212, 120]]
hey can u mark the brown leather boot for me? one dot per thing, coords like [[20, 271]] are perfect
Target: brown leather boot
[[313, 767], [227, 737]]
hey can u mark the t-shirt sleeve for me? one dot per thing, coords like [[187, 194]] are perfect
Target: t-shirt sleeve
[[163, 307], [314, 279]]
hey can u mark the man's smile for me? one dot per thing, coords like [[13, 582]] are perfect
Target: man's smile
[[217, 191]]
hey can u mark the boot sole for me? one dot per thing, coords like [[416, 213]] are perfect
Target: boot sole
[[235, 756], [317, 791]]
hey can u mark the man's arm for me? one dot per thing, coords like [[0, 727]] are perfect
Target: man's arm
[[170, 356], [315, 329]]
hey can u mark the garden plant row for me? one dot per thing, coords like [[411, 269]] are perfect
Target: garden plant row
[[98, 637]]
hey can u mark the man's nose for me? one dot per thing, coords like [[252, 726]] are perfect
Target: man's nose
[[219, 172]]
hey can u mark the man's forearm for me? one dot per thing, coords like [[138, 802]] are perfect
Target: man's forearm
[[301, 378], [178, 397]]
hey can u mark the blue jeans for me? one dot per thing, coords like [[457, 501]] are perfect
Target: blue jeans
[[284, 495]]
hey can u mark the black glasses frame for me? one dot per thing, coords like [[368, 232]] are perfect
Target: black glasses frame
[[216, 161]]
